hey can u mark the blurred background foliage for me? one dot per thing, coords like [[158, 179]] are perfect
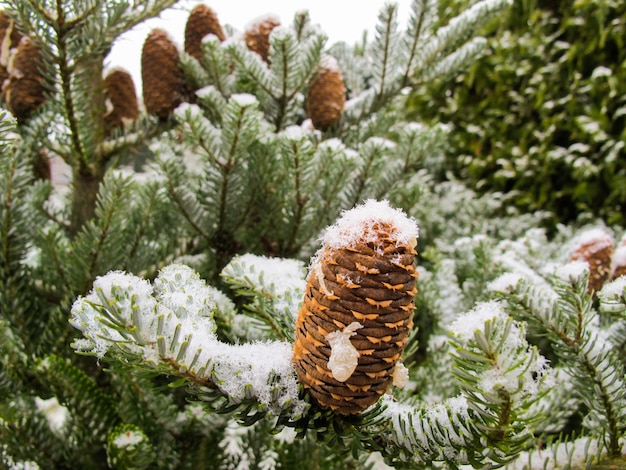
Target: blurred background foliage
[[541, 116]]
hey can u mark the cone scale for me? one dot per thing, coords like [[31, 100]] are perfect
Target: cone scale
[[358, 309]]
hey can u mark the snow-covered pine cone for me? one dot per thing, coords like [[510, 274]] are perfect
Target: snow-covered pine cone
[[201, 22], [326, 96], [595, 247], [257, 35], [24, 91], [358, 309], [164, 86], [121, 99]]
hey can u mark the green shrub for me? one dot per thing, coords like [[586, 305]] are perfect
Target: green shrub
[[541, 116]]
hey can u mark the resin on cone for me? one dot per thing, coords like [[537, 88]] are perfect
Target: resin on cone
[[163, 81], [257, 35], [595, 247], [202, 21], [121, 99], [326, 96], [358, 309], [24, 90]]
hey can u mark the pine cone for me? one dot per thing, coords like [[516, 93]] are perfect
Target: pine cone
[[596, 248], [121, 99], [163, 81], [24, 90], [201, 22], [257, 35], [358, 309], [9, 39], [327, 95]]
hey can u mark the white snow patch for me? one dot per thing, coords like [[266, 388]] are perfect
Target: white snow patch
[[598, 237], [614, 290], [329, 63], [357, 225], [129, 439], [244, 99], [505, 283], [573, 271], [255, 24], [467, 324], [55, 413]]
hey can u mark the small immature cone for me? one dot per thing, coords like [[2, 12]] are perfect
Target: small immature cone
[[24, 90], [257, 35], [163, 81], [201, 22], [358, 309], [121, 99], [596, 248], [327, 95]]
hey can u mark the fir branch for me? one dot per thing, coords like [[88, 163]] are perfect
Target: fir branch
[[567, 318], [169, 329], [490, 421], [385, 46], [217, 66], [274, 287], [422, 19], [92, 411], [100, 245]]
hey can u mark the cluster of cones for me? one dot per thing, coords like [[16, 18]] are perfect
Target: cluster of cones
[[164, 84], [366, 290], [606, 261]]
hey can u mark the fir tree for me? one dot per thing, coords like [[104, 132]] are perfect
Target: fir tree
[[165, 315]]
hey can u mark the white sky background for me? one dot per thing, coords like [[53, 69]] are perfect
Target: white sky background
[[341, 20]]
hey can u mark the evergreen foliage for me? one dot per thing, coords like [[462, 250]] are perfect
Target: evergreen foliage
[[147, 310]]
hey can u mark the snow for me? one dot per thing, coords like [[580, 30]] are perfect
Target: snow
[[357, 226], [255, 24], [505, 283], [294, 132], [573, 271], [282, 275], [619, 257], [244, 99], [467, 324], [330, 64], [344, 357], [128, 439], [55, 413], [597, 237], [613, 291]]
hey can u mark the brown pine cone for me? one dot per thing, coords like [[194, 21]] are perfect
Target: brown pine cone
[[595, 247], [358, 309], [326, 96], [257, 35], [201, 22], [163, 81], [24, 90], [9, 39], [121, 99]]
